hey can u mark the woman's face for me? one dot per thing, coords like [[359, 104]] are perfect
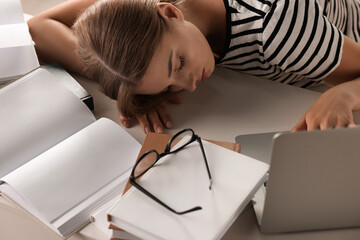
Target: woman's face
[[182, 60]]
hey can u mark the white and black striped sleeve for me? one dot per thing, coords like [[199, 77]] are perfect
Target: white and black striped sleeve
[[299, 39]]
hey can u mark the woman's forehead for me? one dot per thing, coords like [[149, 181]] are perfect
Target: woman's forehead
[[158, 74]]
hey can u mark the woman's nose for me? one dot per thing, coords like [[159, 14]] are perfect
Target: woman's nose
[[187, 83]]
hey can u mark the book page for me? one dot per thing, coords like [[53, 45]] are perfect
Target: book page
[[76, 169], [36, 112]]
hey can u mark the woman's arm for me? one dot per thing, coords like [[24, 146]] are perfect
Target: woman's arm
[[334, 107], [53, 37]]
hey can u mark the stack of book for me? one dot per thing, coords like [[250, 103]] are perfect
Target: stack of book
[[181, 181], [17, 53]]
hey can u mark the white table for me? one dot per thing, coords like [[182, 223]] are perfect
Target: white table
[[223, 106]]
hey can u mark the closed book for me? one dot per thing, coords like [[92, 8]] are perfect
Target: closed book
[[17, 53], [181, 180], [153, 141]]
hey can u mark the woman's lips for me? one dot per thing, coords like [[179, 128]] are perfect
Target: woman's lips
[[203, 75]]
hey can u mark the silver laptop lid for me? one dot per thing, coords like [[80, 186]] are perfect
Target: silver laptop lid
[[256, 145], [313, 181]]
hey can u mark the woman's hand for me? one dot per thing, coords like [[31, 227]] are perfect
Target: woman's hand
[[333, 109], [155, 120]]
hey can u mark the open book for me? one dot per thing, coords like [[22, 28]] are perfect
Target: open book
[[56, 161], [17, 52], [181, 181]]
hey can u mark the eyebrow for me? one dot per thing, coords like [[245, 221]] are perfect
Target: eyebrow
[[170, 64]]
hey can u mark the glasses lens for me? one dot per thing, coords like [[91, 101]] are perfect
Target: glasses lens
[[145, 163], [187, 134]]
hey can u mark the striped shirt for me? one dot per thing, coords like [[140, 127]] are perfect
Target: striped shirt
[[297, 42]]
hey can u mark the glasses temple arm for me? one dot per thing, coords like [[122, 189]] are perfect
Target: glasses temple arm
[[147, 193], [206, 162]]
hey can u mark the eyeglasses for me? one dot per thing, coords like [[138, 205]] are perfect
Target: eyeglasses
[[150, 158]]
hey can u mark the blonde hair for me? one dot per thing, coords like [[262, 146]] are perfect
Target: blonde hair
[[116, 41]]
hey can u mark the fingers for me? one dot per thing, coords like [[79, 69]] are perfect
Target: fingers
[[144, 123], [352, 125], [175, 100], [300, 125], [165, 116], [142, 119], [340, 121], [155, 120], [125, 121], [307, 123]]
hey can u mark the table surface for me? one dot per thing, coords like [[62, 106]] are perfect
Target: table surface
[[224, 106]]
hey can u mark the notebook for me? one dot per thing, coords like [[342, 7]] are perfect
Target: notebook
[[311, 180], [181, 180], [158, 142]]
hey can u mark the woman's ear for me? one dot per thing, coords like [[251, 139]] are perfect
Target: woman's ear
[[168, 11]]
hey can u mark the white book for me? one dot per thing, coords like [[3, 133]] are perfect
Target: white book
[[181, 181], [56, 161], [99, 219], [17, 52]]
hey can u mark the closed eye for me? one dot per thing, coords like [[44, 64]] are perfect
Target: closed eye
[[182, 64]]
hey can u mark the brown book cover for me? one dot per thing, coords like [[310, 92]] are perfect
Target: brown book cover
[[158, 142]]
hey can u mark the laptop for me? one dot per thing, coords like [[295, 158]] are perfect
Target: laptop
[[313, 179]]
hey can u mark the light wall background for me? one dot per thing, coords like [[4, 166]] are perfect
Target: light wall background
[[34, 7]]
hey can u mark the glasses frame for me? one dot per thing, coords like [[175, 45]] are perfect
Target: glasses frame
[[168, 151]]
